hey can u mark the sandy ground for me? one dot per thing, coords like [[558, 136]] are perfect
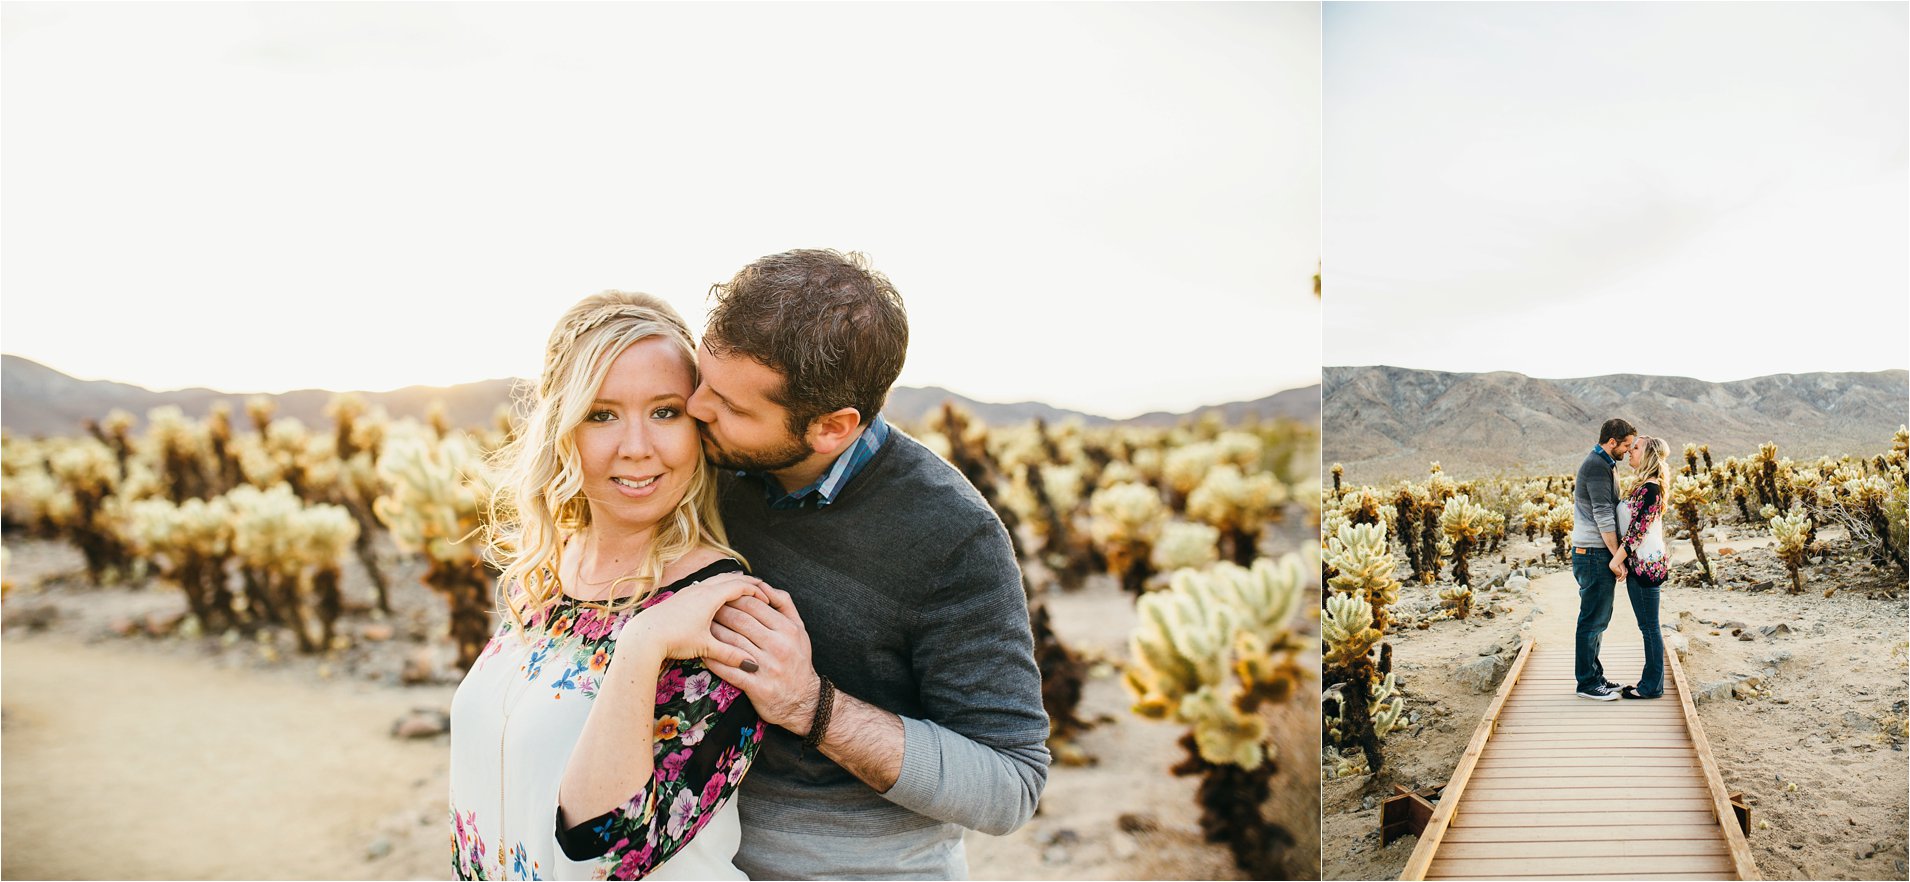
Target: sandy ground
[[203, 760], [1830, 688]]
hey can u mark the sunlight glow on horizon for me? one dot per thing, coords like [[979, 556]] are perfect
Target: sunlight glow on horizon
[[1118, 214]]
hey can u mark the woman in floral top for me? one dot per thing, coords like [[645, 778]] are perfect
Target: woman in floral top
[[588, 740], [1641, 523]]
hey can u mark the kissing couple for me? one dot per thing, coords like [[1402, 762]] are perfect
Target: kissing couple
[[749, 629], [1614, 540]]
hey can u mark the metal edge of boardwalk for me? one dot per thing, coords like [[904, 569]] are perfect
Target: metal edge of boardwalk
[[1428, 846], [1735, 842]]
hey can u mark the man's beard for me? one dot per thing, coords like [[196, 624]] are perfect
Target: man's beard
[[795, 450]]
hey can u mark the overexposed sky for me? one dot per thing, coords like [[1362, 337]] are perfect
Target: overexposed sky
[[1109, 208], [1718, 188]]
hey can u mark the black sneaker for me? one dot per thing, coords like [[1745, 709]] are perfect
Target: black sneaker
[[1610, 685], [1600, 692]]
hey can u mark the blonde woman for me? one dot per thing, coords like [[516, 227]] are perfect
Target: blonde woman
[[589, 740], [1641, 527]]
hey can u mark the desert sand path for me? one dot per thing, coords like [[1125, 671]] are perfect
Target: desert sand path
[[122, 764], [1555, 786]]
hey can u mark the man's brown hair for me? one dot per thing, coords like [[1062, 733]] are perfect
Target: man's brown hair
[[832, 326], [1615, 429]]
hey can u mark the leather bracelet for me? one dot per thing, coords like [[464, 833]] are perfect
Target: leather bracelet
[[825, 704]]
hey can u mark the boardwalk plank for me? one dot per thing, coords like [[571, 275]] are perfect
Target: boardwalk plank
[[1582, 819], [1603, 836], [1521, 788], [1609, 865], [1554, 786], [1502, 771], [1455, 850], [1605, 877], [1579, 804]]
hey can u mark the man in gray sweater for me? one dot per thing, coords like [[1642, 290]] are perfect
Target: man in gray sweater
[[1597, 558], [894, 663]]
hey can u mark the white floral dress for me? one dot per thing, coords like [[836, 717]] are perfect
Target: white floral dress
[[516, 718]]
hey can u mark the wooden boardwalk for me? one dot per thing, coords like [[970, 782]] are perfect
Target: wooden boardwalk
[[1553, 786]]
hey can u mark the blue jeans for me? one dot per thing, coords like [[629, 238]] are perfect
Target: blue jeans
[[1644, 605], [1592, 567]]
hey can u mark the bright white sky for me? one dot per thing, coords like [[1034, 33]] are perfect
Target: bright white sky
[[1730, 175], [1108, 208]]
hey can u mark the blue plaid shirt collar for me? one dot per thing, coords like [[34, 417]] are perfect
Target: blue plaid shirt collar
[[824, 490], [1600, 450]]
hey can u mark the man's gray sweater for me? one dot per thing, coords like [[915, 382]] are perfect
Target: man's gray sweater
[[1594, 501], [912, 598]]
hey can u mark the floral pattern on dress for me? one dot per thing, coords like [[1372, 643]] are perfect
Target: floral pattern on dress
[[694, 773], [1646, 507], [467, 848]]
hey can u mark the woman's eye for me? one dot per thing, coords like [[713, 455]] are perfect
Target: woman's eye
[[600, 416], [664, 413]]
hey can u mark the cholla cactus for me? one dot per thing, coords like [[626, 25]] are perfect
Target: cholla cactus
[[1359, 553], [194, 541], [116, 433], [1558, 523], [1386, 709], [32, 500], [1792, 532], [1147, 462], [1531, 519], [1406, 502], [1348, 630], [223, 470], [175, 449], [1768, 490], [1238, 505], [1242, 449], [289, 553], [1183, 469], [1213, 647], [1356, 664], [1119, 472], [435, 503], [1127, 520], [1363, 506], [1687, 496], [1458, 600], [1464, 523], [260, 410], [90, 473], [1046, 498], [1210, 652], [1186, 546], [1439, 489]]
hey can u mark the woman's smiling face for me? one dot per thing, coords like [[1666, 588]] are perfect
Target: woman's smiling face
[[639, 450]]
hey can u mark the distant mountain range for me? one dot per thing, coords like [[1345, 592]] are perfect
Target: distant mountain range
[[1384, 423], [36, 400]]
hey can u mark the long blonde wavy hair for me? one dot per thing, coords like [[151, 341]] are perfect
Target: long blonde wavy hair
[[1656, 466], [539, 501]]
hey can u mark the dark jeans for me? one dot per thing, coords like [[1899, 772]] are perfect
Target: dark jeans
[[1592, 567], [1644, 605]]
